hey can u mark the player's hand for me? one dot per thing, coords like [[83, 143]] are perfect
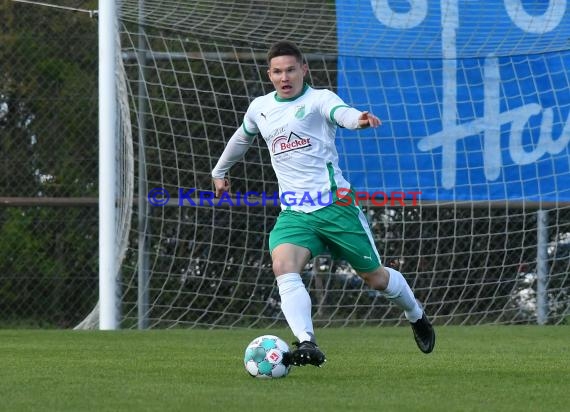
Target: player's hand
[[221, 186], [368, 119]]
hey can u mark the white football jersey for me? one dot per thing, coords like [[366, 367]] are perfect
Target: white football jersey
[[300, 134]]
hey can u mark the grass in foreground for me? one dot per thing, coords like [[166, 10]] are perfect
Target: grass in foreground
[[499, 368]]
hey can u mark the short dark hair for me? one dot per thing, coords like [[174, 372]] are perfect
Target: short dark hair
[[284, 48]]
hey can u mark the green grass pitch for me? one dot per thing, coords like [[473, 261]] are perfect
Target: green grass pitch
[[490, 368]]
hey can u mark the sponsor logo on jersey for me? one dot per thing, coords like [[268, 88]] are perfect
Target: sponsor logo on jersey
[[283, 144]]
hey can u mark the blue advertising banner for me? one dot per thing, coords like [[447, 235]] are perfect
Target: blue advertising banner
[[466, 117]]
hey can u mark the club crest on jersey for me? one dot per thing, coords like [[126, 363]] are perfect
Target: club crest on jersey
[[300, 111], [284, 144]]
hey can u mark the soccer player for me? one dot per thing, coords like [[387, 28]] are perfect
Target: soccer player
[[299, 124]]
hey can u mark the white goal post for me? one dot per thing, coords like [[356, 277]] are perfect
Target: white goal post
[[475, 103]]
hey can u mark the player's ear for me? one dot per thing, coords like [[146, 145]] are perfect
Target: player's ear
[[305, 68]]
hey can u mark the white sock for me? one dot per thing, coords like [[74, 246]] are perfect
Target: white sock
[[296, 305], [399, 292]]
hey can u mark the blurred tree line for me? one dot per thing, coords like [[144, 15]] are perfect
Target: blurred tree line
[[48, 149]]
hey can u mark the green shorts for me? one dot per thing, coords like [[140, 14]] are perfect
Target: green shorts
[[341, 230]]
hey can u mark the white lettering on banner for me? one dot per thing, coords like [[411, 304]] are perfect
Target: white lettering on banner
[[493, 119], [549, 20], [418, 10], [405, 20]]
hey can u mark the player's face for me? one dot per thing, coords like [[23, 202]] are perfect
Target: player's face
[[287, 75]]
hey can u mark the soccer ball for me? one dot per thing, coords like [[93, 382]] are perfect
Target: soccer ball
[[264, 357]]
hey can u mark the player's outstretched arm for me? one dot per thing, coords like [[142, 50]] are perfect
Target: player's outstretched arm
[[351, 118]]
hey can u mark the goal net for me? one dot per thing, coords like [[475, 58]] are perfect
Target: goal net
[[470, 171]]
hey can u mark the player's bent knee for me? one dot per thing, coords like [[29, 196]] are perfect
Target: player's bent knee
[[377, 279], [282, 266], [289, 258]]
